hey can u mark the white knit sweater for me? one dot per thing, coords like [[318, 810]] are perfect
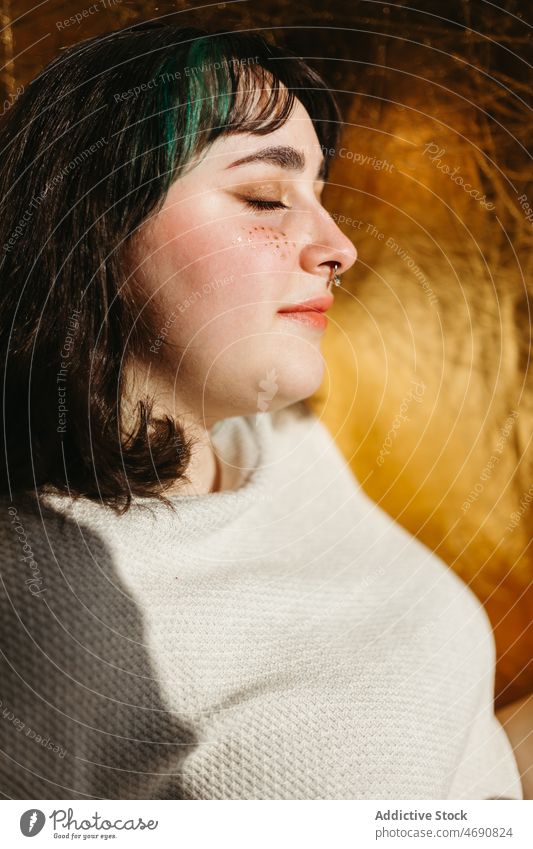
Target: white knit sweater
[[282, 640]]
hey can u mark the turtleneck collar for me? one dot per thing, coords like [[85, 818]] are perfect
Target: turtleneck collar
[[244, 445]]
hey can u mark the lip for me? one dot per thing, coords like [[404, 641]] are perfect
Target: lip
[[312, 318], [317, 305], [310, 312]]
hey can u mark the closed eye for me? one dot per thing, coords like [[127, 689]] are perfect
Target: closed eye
[[259, 204]]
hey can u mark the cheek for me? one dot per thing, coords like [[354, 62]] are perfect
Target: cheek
[[211, 278], [214, 310], [191, 262], [237, 265], [198, 250], [267, 240]]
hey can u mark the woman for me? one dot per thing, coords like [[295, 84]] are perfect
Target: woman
[[199, 601]]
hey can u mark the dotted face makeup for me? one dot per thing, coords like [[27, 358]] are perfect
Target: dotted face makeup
[[267, 236]]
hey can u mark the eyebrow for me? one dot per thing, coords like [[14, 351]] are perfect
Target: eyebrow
[[283, 156]]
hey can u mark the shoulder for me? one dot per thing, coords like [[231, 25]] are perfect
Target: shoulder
[[24, 514], [39, 537]]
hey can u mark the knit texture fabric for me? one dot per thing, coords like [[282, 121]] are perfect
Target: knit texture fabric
[[284, 639]]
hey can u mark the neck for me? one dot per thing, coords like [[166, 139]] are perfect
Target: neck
[[203, 474]]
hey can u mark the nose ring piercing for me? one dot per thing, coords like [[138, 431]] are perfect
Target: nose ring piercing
[[336, 277]]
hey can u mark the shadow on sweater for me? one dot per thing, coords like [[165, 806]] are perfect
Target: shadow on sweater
[[81, 714]]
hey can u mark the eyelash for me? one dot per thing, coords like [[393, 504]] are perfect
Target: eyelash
[[264, 205]]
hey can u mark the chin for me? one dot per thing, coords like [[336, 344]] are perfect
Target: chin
[[282, 371], [298, 377]]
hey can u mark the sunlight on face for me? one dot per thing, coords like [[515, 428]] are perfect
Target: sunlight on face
[[232, 245]]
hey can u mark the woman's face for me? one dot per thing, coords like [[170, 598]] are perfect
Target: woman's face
[[219, 268]]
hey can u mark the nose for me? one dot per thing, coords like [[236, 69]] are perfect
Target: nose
[[326, 244]]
